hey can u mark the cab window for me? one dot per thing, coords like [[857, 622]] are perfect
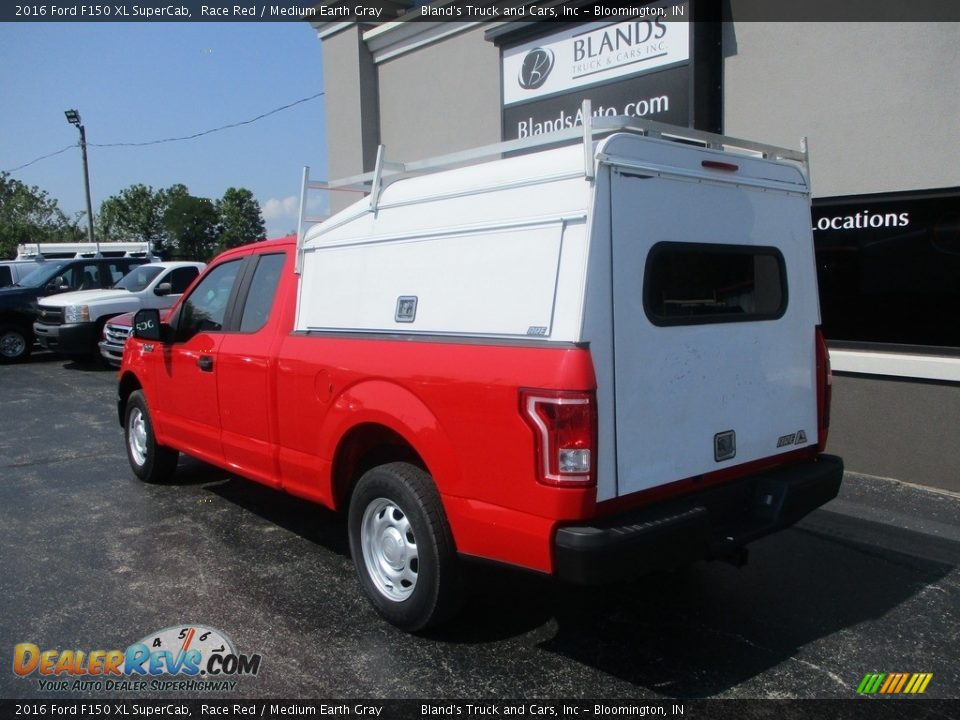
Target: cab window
[[84, 276], [263, 288], [138, 278], [180, 279], [205, 308]]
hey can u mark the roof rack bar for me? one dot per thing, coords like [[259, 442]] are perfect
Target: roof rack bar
[[377, 177], [302, 221], [651, 128], [392, 169], [591, 129]]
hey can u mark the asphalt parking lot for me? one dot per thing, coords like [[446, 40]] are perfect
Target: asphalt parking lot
[[91, 558]]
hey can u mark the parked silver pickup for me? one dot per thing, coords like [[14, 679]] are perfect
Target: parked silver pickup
[[72, 323]]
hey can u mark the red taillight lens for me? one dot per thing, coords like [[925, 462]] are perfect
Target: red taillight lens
[[824, 390], [564, 427]]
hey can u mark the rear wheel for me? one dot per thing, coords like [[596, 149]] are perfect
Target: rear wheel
[[14, 344], [149, 461], [402, 547]]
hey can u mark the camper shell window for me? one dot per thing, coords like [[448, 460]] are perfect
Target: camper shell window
[[700, 283]]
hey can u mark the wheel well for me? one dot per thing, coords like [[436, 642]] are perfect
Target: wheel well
[[99, 324], [362, 448], [128, 383], [104, 319], [15, 322]]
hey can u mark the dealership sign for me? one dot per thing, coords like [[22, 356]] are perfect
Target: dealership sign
[[639, 68], [592, 54]]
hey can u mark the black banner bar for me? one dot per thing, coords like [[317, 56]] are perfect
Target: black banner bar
[[863, 708], [526, 11]]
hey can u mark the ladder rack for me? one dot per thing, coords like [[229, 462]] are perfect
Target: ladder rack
[[372, 183]]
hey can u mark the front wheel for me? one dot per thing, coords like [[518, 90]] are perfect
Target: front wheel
[[402, 547], [150, 462], [14, 344]]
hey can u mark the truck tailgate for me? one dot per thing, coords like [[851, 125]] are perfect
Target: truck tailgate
[[715, 307]]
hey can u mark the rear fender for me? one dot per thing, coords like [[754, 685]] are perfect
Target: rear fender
[[385, 403]]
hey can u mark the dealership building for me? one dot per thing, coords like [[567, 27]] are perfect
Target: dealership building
[[878, 101]]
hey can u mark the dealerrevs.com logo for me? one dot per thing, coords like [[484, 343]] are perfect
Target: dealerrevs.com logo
[[179, 658]]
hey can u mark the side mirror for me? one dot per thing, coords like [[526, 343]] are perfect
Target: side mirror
[[146, 325], [58, 284], [163, 288]]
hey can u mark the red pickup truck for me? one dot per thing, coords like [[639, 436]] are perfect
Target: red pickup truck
[[511, 392]]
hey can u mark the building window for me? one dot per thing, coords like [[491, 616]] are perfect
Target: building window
[[889, 268]]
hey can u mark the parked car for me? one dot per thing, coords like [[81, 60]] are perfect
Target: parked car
[[72, 323], [114, 338], [592, 361], [13, 271], [18, 303]]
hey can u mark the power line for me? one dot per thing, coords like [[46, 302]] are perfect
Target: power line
[[208, 132], [42, 157], [173, 139]]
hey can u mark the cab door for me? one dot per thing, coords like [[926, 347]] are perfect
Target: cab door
[[246, 368], [186, 399]]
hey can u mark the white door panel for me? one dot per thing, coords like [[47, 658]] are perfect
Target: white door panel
[[679, 385]]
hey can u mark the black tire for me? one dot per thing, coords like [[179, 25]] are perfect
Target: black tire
[[407, 565], [15, 343], [149, 461]]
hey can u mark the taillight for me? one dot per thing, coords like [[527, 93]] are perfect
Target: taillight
[[824, 390], [717, 165], [564, 425]]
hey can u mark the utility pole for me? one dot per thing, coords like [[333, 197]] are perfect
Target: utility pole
[[73, 117]]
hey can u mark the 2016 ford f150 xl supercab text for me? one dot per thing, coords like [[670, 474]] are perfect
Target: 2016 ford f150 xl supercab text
[[591, 361]]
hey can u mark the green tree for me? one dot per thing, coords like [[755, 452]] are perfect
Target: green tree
[[240, 219], [136, 214], [193, 226], [28, 214]]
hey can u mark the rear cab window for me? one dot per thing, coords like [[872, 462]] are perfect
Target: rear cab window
[[700, 283], [263, 288]]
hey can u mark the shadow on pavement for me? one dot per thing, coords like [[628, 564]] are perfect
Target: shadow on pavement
[[306, 519], [695, 633], [92, 365], [708, 629]]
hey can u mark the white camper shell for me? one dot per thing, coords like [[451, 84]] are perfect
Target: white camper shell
[[686, 266]]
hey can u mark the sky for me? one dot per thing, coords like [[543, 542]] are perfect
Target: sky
[[137, 82]]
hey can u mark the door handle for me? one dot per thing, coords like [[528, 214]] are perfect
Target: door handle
[[205, 363]]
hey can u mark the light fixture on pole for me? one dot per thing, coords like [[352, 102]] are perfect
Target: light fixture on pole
[[73, 117]]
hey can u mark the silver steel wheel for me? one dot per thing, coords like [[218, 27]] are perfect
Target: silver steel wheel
[[137, 436], [12, 344], [389, 549]]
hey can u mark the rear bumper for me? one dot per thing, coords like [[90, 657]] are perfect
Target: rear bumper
[[708, 524]]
